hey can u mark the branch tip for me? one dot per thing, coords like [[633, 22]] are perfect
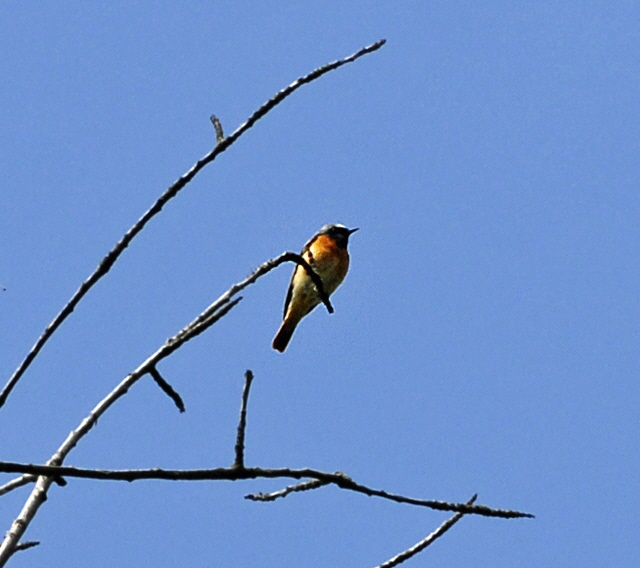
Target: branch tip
[[217, 125], [26, 545], [303, 486], [167, 389], [242, 423], [430, 539]]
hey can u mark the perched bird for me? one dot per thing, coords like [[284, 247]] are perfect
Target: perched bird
[[327, 254]]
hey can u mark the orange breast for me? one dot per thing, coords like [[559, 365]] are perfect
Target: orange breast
[[330, 261]]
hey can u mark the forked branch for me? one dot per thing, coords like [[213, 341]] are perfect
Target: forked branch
[[238, 474], [430, 539], [314, 479], [217, 310]]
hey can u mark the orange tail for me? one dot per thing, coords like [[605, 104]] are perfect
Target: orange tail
[[282, 338]]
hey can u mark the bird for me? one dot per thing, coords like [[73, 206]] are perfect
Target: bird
[[326, 252]]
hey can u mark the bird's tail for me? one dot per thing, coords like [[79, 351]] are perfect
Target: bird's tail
[[282, 338]]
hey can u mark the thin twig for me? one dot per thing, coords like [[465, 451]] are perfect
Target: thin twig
[[235, 474], [16, 483], [167, 388], [26, 545], [205, 320], [304, 486], [108, 261], [420, 546], [217, 125], [242, 424], [202, 321], [26, 480]]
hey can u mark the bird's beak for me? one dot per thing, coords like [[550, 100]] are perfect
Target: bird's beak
[[354, 230]]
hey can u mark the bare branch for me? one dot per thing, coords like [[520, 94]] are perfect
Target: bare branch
[[242, 424], [218, 309], [16, 483], [26, 480], [420, 546], [284, 93], [304, 486], [263, 269], [235, 474], [223, 304], [39, 493], [108, 261], [167, 388]]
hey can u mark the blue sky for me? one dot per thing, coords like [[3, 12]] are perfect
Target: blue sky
[[485, 339]]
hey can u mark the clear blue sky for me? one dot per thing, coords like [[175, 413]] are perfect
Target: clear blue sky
[[485, 340]]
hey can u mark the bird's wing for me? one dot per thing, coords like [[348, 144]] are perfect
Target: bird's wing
[[306, 254]]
